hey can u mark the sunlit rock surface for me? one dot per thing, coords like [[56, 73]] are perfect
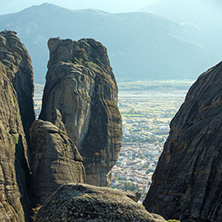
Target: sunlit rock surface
[[187, 182], [80, 98]]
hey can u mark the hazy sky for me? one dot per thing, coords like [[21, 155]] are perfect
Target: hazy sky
[[107, 5]]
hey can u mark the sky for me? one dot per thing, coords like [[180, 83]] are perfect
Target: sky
[[115, 6]]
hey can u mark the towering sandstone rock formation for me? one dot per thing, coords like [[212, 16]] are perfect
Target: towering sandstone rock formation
[[80, 98], [187, 182], [16, 109]]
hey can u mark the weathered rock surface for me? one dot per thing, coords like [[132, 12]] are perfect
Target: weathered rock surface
[[15, 57], [89, 203], [55, 160], [134, 195], [80, 97], [16, 109], [187, 182]]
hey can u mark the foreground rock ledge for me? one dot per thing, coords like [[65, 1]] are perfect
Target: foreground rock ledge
[[81, 202]]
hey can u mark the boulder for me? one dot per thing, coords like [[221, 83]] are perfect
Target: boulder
[[80, 97], [55, 160], [187, 182], [82, 202]]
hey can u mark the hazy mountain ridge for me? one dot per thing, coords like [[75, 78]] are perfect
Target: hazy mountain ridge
[[203, 15], [137, 42]]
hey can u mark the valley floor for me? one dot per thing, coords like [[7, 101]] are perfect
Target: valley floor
[[147, 108]]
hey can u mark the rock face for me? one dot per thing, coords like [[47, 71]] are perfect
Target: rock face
[[80, 98], [55, 160], [16, 109], [89, 203], [15, 57], [187, 182]]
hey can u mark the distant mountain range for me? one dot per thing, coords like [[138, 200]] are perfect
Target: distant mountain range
[[140, 45]]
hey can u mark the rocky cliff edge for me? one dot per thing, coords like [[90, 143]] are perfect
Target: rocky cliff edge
[[187, 182], [16, 115]]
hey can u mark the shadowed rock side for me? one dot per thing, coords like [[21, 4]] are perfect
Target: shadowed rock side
[[187, 182], [80, 97], [15, 73], [89, 203], [15, 57], [54, 160]]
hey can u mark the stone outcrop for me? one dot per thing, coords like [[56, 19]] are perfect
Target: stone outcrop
[[16, 109], [134, 195], [187, 182], [89, 203], [80, 98], [55, 160]]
